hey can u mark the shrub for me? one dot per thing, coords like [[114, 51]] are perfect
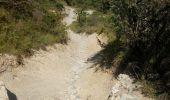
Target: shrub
[[29, 24]]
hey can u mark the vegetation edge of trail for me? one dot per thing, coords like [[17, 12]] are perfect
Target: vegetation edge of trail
[[140, 45], [30, 24]]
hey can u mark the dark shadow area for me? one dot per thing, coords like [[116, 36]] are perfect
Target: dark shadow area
[[112, 54], [146, 54], [11, 95], [151, 65]]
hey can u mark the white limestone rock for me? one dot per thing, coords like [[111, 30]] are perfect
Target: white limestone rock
[[125, 89], [3, 92]]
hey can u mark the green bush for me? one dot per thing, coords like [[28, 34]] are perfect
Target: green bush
[[95, 23], [30, 24], [142, 29], [100, 5]]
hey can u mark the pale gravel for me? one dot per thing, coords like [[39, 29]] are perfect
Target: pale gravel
[[61, 72]]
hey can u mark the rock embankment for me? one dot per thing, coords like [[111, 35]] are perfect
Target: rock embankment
[[126, 89], [3, 92], [6, 62]]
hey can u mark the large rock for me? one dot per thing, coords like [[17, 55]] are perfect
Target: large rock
[[3, 92], [125, 89]]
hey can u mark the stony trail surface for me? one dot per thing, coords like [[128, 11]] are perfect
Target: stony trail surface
[[61, 72]]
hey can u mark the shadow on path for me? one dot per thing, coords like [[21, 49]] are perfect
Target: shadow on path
[[113, 56]]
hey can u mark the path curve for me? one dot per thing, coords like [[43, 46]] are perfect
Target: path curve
[[61, 72]]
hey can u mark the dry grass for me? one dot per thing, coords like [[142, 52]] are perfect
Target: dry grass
[[30, 25], [96, 23]]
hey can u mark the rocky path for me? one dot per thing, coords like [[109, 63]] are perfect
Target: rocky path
[[61, 72]]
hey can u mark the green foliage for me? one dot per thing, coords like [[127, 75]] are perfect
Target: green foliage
[[95, 23], [101, 5], [145, 23], [148, 88], [30, 24], [82, 17], [142, 29], [18, 8]]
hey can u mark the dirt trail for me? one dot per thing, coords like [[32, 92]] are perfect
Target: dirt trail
[[61, 72]]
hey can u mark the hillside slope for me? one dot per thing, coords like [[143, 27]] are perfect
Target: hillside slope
[[30, 24]]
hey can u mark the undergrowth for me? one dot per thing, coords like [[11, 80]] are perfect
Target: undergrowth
[[30, 24], [116, 54], [140, 32], [97, 22]]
